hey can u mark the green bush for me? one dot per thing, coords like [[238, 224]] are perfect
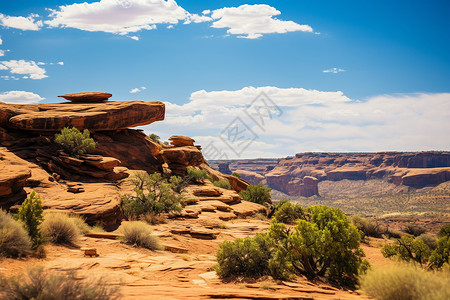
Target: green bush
[[196, 176], [152, 194], [236, 175], [256, 193], [60, 228], [324, 245], [223, 183], [247, 257], [441, 255], [154, 137], [288, 213], [41, 284], [444, 231], [75, 142], [407, 248], [414, 230], [140, 234], [401, 281], [429, 239], [14, 240], [31, 214], [368, 227]]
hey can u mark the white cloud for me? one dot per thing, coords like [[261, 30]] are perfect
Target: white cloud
[[23, 67], [22, 23], [137, 90], [252, 21], [118, 16], [134, 38], [170, 27], [61, 63], [20, 97], [333, 70], [2, 52], [1, 41], [314, 120], [40, 63]]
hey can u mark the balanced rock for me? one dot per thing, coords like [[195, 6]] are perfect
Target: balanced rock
[[87, 97], [93, 116], [181, 140]]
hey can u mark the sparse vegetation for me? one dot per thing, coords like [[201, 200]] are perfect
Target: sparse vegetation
[[414, 230], [140, 234], [14, 240], [152, 194], [197, 176], [441, 255], [368, 227], [222, 183], [236, 175], [41, 284], [256, 193], [154, 137], [444, 231], [325, 244], [74, 141], [31, 214], [288, 213], [60, 228], [429, 239], [402, 281]]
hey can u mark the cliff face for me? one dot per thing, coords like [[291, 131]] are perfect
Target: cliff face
[[299, 175]]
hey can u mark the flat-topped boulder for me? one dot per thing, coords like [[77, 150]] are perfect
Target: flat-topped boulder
[[113, 115], [92, 97], [181, 140]]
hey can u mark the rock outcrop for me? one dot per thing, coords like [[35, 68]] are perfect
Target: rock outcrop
[[93, 116], [92, 184]]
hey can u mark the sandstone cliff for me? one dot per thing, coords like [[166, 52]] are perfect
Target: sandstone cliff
[[299, 175]]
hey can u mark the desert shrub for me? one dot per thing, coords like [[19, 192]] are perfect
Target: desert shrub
[[444, 231], [368, 227], [429, 239], [59, 228], [140, 234], [236, 175], [402, 281], [222, 183], [407, 248], [414, 230], [287, 212], [196, 176], [14, 240], [31, 214], [152, 194], [41, 284], [152, 218], [178, 183], [154, 137], [247, 257], [324, 245], [74, 141], [80, 223], [256, 193], [441, 255]]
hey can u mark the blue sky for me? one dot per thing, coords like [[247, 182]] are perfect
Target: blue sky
[[346, 75]]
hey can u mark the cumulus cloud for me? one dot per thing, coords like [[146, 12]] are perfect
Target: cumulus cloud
[[1, 41], [313, 120], [20, 97], [23, 67], [137, 90], [333, 70], [118, 16], [22, 23], [252, 21]]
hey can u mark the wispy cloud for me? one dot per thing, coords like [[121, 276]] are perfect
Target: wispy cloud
[[333, 70], [137, 90], [29, 69], [20, 97], [22, 23], [252, 21]]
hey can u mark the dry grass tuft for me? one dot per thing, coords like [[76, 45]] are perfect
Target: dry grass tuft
[[14, 240], [140, 234]]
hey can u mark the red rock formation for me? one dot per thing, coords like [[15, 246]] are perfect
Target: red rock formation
[[87, 97], [93, 116]]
